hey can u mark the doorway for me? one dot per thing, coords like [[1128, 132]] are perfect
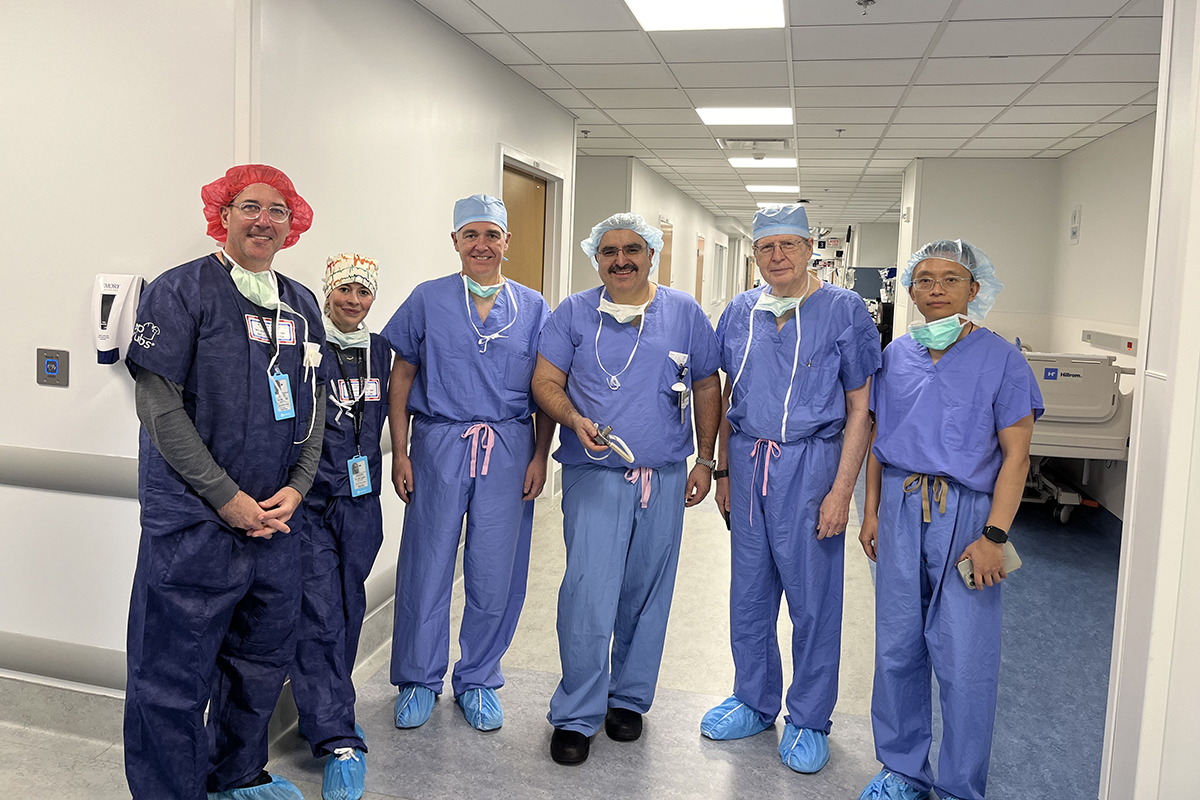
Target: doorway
[[525, 199], [700, 270], [664, 258]]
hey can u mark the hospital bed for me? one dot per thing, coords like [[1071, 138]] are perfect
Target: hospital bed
[[1086, 417]]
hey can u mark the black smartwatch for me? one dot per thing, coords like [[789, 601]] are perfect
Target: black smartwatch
[[994, 534], [720, 473]]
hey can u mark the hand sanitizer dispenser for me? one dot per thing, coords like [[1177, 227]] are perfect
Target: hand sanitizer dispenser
[[114, 311]]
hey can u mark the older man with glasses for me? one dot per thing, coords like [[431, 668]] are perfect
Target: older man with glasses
[[617, 368], [798, 356]]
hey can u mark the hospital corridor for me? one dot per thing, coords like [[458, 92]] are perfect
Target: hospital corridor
[[630, 399]]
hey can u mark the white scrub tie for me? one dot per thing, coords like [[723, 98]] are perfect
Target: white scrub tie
[[489, 438], [771, 450], [787, 398], [642, 474], [485, 340], [346, 406]]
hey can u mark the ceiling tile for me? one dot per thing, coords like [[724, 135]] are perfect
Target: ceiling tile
[[949, 129], [986, 69], [739, 98], [1149, 99], [1137, 35], [886, 164], [852, 96], [1074, 94], [461, 15], [1014, 37], [1102, 129], [1072, 144], [920, 144], [590, 115], [1032, 130], [738, 45], [984, 94], [503, 48], [882, 72], [753, 131], [806, 12], [1055, 113], [994, 153], [863, 152], [608, 143], [601, 131], [694, 154], [1024, 143], [916, 153], [616, 76], [689, 131], [834, 143], [1146, 8], [632, 151], [1024, 9], [843, 42], [541, 77], [680, 144], [836, 115], [590, 47], [567, 98], [638, 98], [960, 114], [848, 163], [685, 162], [855, 131], [554, 15], [654, 116], [727, 75], [1130, 114], [1117, 68]]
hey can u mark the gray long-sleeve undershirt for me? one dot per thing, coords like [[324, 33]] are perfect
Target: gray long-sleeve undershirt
[[160, 409]]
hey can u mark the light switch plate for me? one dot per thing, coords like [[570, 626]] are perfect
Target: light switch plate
[[53, 367]]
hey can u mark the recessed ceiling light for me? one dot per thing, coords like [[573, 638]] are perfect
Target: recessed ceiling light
[[745, 116], [762, 163], [706, 15], [772, 189]]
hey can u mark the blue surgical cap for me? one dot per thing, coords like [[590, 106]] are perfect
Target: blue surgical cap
[[969, 256], [629, 221], [777, 221], [480, 208]]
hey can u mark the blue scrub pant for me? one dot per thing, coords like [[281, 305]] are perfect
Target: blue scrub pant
[[926, 616], [621, 561], [342, 535], [212, 620], [779, 552], [495, 556]]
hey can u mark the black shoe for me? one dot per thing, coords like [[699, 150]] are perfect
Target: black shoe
[[569, 747], [623, 725]]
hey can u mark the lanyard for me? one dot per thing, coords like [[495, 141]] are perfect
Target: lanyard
[[358, 398], [271, 333]]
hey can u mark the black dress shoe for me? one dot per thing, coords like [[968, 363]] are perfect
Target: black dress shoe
[[623, 725], [569, 747]]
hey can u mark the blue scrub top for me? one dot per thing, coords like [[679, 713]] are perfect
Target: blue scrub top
[[943, 419], [194, 328], [433, 331], [839, 351], [644, 411], [338, 447]]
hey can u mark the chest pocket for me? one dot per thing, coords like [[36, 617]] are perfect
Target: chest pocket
[[518, 372], [817, 377]]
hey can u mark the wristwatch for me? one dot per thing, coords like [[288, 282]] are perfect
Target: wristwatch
[[711, 463], [994, 534], [720, 473]]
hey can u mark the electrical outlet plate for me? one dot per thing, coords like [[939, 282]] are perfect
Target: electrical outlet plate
[[53, 367]]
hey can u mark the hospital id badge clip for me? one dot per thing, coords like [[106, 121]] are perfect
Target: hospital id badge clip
[[281, 396], [360, 476]]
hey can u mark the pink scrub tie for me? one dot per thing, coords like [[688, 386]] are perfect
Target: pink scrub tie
[[643, 474], [771, 450], [488, 440]]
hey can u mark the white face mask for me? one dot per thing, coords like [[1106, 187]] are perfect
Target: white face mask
[[356, 338], [777, 305], [258, 287], [619, 311]]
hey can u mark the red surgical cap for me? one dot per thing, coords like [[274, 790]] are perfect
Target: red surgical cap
[[221, 192]]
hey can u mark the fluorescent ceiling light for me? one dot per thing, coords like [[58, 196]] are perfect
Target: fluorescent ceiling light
[[706, 15], [745, 116], [773, 189], [762, 163]]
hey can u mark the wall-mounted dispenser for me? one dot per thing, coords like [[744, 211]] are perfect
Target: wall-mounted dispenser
[[114, 311]]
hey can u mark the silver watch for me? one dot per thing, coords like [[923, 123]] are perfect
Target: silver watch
[[710, 463]]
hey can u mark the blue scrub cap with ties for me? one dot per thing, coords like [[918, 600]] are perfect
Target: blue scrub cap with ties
[[969, 256], [480, 208], [629, 221], [782, 220]]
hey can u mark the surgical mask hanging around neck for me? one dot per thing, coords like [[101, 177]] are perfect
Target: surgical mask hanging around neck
[[619, 311], [346, 341], [482, 291], [778, 305], [259, 288], [939, 334]]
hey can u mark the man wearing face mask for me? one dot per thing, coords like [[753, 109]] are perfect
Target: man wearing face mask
[[799, 355], [954, 409], [225, 355], [465, 348], [630, 356]]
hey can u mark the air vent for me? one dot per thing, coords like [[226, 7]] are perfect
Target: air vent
[[757, 144]]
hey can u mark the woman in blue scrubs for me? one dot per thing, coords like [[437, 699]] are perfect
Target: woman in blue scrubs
[[954, 410], [343, 524]]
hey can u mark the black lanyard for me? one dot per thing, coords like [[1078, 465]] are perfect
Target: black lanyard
[[359, 398], [272, 334]]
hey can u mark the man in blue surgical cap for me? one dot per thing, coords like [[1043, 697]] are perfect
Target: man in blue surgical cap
[[618, 367], [799, 355], [954, 410], [465, 348]]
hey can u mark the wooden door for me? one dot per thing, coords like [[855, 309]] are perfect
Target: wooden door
[[525, 199], [700, 270], [664, 258]]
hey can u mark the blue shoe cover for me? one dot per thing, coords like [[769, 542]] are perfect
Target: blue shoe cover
[[803, 749], [732, 719], [482, 709], [358, 731], [278, 789], [890, 786], [345, 772], [413, 706]]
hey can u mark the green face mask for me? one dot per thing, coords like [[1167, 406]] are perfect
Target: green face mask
[[482, 291], [777, 305], [259, 288], [939, 334], [358, 338]]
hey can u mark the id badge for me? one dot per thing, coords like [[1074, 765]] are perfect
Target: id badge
[[360, 476], [281, 396]]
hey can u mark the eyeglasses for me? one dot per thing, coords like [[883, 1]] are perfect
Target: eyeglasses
[[949, 283], [787, 248], [252, 210], [631, 250]]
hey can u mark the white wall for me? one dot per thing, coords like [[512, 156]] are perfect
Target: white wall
[[875, 245], [602, 185], [381, 114]]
